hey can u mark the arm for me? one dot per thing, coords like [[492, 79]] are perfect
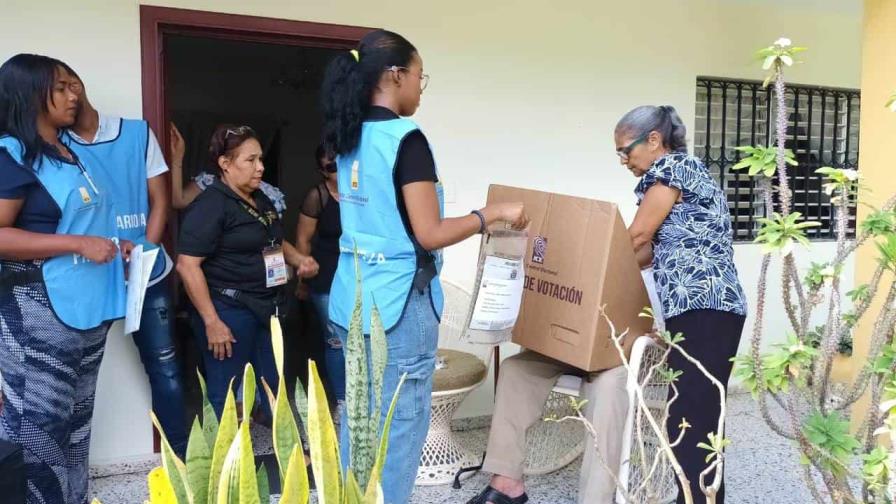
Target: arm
[[304, 232], [219, 337], [654, 208], [433, 232], [182, 193], [305, 265], [19, 244]]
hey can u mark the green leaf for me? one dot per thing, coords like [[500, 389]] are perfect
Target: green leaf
[[264, 488], [322, 441], [295, 485], [247, 480], [301, 404], [174, 467], [248, 391], [357, 395], [377, 471], [284, 430], [352, 490], [209, 418], [378, 358], [199, 463], [226, 433]]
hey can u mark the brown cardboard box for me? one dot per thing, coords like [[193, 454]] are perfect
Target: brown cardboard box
[[579, 259]]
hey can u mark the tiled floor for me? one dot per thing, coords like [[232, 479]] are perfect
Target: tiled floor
[[762, 469]]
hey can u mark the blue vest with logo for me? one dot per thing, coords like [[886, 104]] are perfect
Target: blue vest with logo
[[122, 162], [83, 294], [371, 222]]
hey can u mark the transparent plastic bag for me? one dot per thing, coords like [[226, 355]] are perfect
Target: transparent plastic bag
[[498, 291]]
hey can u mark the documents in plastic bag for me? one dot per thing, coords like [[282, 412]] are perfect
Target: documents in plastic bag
[[498, 292]]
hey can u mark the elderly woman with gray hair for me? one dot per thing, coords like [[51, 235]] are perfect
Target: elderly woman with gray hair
[[683, 230]]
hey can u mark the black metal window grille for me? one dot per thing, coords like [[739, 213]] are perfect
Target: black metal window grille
[[822, 130]]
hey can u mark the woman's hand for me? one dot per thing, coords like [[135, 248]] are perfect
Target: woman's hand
[[178, 146], [126, 246], [97, 249], [220, 339], [511, 213], [307, 267]]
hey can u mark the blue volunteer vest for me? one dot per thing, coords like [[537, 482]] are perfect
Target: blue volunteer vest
[[122, 162], [82, 294], [371, 222]]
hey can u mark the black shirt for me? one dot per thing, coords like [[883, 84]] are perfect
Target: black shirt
[[414, 163], [320, 205], [39, 213], [218, 227]]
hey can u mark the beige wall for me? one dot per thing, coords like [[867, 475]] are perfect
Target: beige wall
[[522, 92], [876, 160]]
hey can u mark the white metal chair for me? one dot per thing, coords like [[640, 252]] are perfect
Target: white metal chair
[[552, 446], [461, 369], [646, 354]]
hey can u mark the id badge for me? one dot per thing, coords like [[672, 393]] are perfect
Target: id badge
[[276, 272]]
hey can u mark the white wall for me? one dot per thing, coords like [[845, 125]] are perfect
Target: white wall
[[522, 93]]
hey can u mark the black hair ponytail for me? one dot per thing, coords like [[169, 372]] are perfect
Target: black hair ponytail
[[349, 82]]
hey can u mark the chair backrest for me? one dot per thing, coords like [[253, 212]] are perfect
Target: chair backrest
[[646, 354], [454, 319]]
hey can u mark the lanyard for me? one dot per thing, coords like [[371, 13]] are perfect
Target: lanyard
[[265, 221]]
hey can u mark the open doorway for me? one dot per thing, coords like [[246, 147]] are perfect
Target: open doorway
[[273, 89], [201, 69]]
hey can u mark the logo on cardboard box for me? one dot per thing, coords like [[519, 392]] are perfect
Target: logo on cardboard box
[[539, 248]]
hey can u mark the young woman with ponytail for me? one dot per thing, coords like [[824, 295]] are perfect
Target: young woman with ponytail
[[392, 213], [683, 229]]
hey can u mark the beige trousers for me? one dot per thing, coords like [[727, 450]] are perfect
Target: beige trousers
[[524, 383]]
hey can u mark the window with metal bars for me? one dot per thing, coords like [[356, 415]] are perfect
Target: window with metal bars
[[822, 130]]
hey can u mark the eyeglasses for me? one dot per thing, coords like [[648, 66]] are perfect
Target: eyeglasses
[[330, 167], [424, 78], [624, 152], [242, 130]]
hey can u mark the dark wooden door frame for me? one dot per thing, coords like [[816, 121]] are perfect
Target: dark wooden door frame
[[158, 22]]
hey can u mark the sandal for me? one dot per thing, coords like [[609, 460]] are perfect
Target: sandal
[[496, 497]]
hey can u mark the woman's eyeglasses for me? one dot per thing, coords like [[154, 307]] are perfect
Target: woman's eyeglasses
[[424, 78], [624, 152], [330, 167]]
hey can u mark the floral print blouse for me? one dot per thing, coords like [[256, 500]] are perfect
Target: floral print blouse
[[693, 255]]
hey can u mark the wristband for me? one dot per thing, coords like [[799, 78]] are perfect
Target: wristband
[[482, 226]]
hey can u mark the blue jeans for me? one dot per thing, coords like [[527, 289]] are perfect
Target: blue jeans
[[334, 360], [156, 346], [412, 349], [253, 344]]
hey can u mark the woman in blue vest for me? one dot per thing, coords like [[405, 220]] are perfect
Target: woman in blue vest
[[391, 206], [683, 230], [61, 279]]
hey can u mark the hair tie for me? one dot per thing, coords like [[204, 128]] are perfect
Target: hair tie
[[356, 55]]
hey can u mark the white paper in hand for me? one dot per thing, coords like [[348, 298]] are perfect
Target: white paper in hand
[[139, 271]]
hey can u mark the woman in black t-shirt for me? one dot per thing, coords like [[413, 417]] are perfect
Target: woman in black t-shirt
[[234, 262], [318, 236]]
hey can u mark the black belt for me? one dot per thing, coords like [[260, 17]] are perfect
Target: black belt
[[10, 279], [261, 308]]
